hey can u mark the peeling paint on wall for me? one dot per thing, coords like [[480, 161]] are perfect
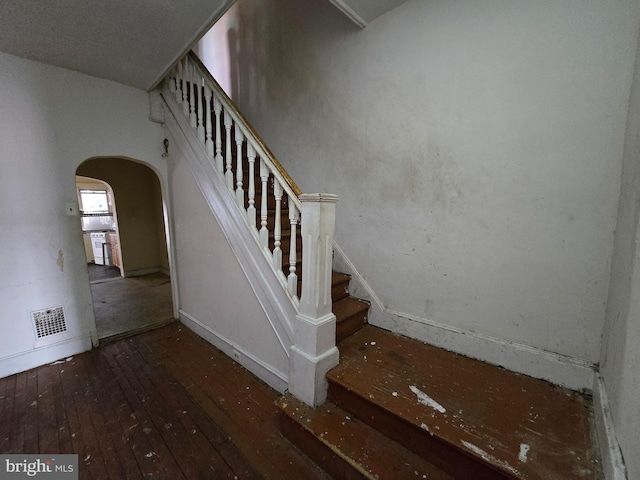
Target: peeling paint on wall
[[60, 261]]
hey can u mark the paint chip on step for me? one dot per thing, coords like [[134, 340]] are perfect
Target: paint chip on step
[[524, 450], [425, 399], [489, 458]]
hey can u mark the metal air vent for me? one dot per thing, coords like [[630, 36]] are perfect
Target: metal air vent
[[49, 322]]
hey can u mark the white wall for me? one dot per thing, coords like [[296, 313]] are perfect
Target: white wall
[[476, 147], [216, 299], [620, 363], [51, 120]]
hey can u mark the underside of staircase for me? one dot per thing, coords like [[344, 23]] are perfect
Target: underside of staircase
[[399, 408]]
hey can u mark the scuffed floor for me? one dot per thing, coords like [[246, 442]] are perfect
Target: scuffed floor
[[128, 305]]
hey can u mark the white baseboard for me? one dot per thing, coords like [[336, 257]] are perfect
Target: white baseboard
[[612, 461], [275, 379], [40, 356], [558, 369]]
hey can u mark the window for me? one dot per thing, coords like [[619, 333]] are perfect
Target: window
[[94, 201]]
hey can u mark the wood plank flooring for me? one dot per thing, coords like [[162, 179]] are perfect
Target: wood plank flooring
[[163, 404], [448, 408]]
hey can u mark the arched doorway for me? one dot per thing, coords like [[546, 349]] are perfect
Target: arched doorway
[[139, 297]]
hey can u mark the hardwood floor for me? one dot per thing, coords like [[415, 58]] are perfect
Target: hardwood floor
[[163, 404]]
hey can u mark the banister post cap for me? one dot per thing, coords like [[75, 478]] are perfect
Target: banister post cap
[[319, 197]]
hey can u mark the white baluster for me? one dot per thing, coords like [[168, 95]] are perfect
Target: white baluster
[[185, 87], [277, 229], [217, 108], [251, 209], [179, 82], [193, 97], [228, 173], [172, 78], [201, 134], [239, 173], [264, 178], [292, 279], [208, 143]]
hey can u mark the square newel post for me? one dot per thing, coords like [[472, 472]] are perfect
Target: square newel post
[[314, 351]]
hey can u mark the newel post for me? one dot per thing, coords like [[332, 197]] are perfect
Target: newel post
[[314, 351]]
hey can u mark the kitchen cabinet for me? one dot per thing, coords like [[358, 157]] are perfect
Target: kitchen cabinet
[[115, 251]]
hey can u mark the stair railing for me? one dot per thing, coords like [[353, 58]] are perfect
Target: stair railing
[[233, 148]]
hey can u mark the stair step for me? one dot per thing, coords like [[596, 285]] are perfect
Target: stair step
[[347, 448], [351, 314], [339, 286], [470, 418]]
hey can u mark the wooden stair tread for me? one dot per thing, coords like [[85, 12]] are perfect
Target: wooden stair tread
[[351, 314], [348, 448], [338, 278], [349, 306], [519, 426]]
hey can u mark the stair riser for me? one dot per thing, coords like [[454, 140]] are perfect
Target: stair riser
[[339, 291], [350, 325], [441, 454], [321, 454]]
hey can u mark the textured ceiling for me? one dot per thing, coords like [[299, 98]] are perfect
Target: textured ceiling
[[132, 42]]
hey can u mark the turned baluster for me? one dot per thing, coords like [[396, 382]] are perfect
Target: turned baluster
[[201, 129], [217, 108], [194, 96], [228, 174], [179, 82], [207, 102], [292, 279], [277, 228], [251, 209], [186, 78], [264, 178], [172, 79], [239, 174]]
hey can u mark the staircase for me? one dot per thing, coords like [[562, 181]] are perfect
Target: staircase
[[264, 216], [399, 408]]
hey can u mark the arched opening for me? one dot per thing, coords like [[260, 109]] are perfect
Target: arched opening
[[126, 247]]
